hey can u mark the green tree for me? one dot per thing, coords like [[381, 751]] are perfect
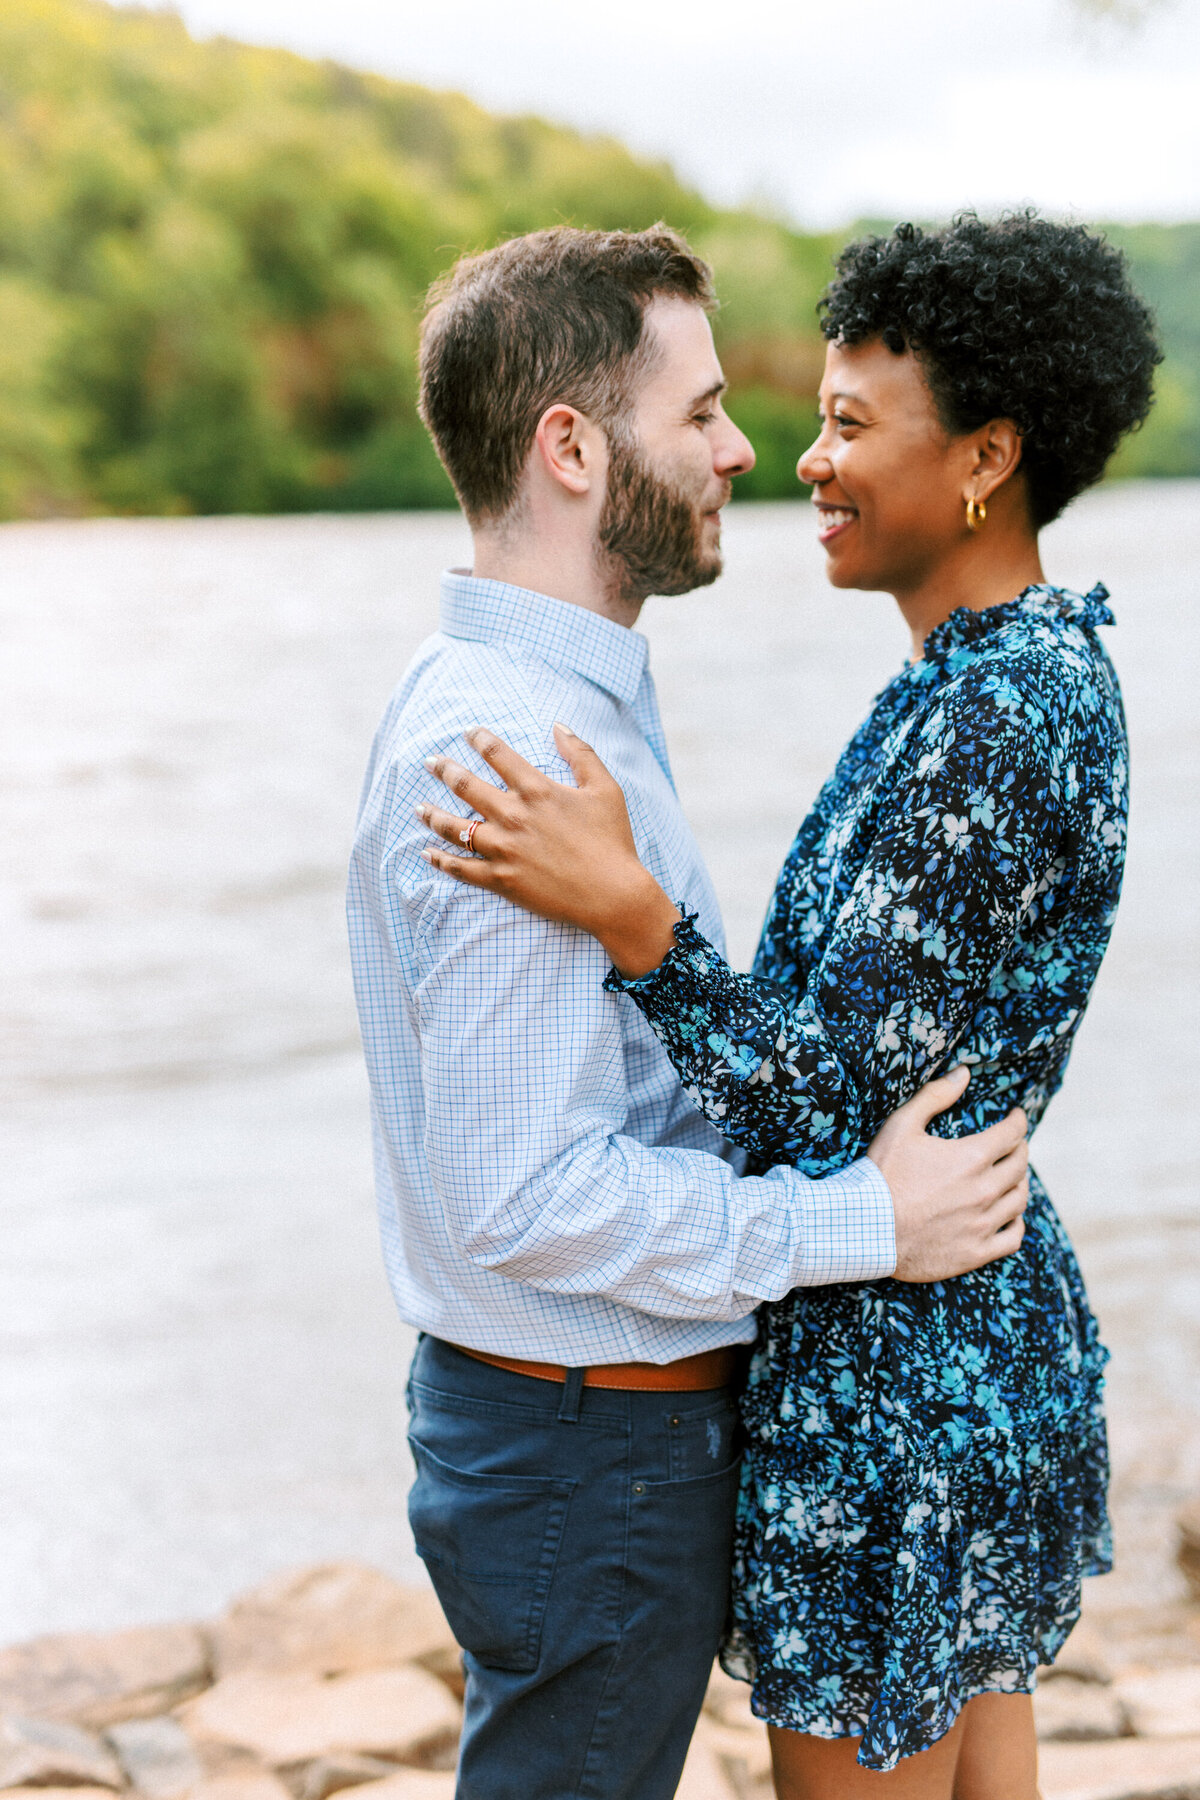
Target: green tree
[[213, 260]]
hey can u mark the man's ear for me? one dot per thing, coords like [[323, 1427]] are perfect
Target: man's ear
[[997, 457], [567, 446]]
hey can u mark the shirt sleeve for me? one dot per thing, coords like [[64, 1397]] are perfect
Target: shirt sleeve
[[526, 1100], [965, 847]]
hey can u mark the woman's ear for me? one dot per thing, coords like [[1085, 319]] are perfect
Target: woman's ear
[[565, 448], [997, 457]]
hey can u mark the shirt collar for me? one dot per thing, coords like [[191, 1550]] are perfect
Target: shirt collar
[[560, 633], [964, 625]]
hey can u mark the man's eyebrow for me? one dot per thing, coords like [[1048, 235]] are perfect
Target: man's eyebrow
[[718, 387]]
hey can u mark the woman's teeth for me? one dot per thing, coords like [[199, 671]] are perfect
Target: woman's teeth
[[832, 518]]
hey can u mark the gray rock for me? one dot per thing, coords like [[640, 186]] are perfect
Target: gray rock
[[422, 1784], [1086, 1656], [74, 1792], [1070, 1711], [403, 1714], [48, 1753], [1164, 1703], [1188, 1552], [1128, 1770], [157, 1757], [239, 1784], [98, 1678], [331, 1619], [330, 1774]]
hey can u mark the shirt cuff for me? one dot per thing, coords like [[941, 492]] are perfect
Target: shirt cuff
[[850, 1228]]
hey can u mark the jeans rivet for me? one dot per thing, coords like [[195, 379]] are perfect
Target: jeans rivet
[[674, 1418], [639, 1487]]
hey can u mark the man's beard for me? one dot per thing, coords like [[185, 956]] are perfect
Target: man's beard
[[650, 533]]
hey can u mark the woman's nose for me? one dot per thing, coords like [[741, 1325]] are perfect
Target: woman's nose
[[813, 466]]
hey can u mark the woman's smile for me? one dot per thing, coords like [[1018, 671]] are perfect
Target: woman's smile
[[832, 520]]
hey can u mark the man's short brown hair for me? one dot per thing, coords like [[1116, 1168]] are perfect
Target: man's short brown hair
[[555, 317]]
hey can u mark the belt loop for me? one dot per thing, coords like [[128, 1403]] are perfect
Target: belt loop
[[568, 1412]]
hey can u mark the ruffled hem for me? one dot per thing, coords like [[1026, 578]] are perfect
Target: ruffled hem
[[878, 1614]]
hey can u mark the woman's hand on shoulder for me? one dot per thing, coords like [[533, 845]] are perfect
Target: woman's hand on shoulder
[[565, 853]]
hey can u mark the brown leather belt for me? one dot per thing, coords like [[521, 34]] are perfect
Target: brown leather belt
[[708, 1369]]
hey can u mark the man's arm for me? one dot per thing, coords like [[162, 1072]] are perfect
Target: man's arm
[[526, 1105]]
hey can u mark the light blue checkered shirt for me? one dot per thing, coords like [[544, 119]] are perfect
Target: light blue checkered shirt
[[545, 1191]]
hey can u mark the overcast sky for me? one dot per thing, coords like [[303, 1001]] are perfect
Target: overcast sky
[[825, 110]]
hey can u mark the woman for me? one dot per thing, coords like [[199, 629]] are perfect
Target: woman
[[926, 1468]]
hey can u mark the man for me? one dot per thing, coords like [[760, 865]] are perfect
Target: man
[[566, 1231]]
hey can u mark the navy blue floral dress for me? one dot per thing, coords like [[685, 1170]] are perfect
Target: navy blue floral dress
[[925, 1479]]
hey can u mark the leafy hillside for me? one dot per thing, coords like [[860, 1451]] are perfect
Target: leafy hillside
[[213, 257]]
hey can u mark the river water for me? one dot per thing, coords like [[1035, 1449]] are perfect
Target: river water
[[201, 1374]]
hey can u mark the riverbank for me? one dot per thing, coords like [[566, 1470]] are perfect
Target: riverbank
[[335, 1678], [202, 1372]]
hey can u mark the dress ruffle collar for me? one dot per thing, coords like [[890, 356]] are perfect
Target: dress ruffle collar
[[964, 625]]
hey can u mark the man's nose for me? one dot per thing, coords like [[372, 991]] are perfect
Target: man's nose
[[735, 453]]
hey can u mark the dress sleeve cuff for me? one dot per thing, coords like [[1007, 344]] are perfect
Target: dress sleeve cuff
[[690, 951], [851, 1228]]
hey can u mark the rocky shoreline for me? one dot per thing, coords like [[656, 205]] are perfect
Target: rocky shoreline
[[337, 1677]]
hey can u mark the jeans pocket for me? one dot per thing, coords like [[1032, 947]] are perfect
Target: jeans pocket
[[490, 1544]]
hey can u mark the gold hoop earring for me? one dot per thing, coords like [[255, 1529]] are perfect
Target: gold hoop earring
[[976, 513]]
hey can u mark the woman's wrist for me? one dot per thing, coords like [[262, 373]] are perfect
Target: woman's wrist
[[639, 930]]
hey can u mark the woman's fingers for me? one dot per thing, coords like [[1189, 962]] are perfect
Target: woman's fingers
[[472, 871], [455, 828], [581, 759], [512, 769], [480, 794]]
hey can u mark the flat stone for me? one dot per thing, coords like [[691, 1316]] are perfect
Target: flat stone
[[728, 1701], [704, 1775], [405, 1714], [447, 1664], [99, 1678], [330, 1774], [745, 1754], [50, 1753], [330, 1619], [1163, 1704], [249, 1784], [1130, 1769], [1070, 1711], [57, 1793], [412, 1784], [157, 1757], [1086, 1656], [1188, 1553]]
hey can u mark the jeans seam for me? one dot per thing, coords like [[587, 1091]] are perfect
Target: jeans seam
[[586, 1790]]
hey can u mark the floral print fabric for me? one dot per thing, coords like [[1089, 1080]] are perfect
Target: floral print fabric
[[925, 1479]]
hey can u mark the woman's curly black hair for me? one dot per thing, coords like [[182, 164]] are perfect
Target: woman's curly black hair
[[1017, 319]]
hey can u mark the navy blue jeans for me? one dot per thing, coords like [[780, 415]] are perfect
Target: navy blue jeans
[[579, 1541]]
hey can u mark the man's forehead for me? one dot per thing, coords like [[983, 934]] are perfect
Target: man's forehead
[[683, 344]]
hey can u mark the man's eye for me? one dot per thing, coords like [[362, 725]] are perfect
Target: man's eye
[[704, 418]]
